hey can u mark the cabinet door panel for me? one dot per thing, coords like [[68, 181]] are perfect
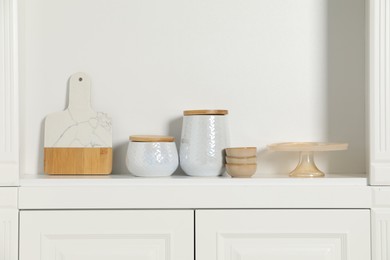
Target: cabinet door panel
[[283, 234], [380, 233], [8, 234], [102, 235], [8, 223]]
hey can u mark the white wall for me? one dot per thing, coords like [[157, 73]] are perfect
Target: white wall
[[287, 70]]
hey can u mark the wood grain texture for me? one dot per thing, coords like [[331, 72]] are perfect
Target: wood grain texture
[[205, 112], [151, 138], [78, 160], [307, 147]]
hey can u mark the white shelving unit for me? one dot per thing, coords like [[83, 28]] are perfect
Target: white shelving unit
[[298, 68]]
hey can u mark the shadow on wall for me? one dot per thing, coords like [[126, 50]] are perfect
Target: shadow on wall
[[345, 94], [345, 99]]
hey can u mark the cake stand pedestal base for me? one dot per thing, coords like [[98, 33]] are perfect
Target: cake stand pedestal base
[[306, 166]]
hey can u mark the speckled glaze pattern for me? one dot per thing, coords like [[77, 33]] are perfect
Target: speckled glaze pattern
[[203, 140], [152, 159]]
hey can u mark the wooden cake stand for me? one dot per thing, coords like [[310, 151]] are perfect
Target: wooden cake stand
[[306, 166]]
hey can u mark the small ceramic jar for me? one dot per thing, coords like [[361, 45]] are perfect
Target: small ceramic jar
[[152, 156], [204, 137]]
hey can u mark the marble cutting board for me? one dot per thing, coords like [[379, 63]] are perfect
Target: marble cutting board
[[78, 140]]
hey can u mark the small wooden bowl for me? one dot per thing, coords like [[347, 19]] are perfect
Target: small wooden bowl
[[241, 170], [241, 160], [241, 151]]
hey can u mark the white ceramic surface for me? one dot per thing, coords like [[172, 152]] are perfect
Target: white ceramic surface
[[152, 159], [79, 125], [203, 140]]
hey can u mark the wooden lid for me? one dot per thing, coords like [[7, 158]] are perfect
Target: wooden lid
[[151, 138], [216, 112]]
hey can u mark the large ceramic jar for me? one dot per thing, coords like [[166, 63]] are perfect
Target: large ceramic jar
[[152, 156], [203, 140]]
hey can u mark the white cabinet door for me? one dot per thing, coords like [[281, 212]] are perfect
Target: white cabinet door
[[8, 234], [8, 224], [380, 234], [107, 235], [283, 234]]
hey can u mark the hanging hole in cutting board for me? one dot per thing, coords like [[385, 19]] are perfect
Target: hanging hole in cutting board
[[80, 79]]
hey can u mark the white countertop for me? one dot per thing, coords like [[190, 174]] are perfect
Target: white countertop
[[129, 180], [178, 192]]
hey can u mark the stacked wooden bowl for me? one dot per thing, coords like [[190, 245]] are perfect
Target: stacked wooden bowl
[[241, 162]]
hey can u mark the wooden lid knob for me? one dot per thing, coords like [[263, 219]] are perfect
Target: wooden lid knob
[[216, 112], [151, 138]]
